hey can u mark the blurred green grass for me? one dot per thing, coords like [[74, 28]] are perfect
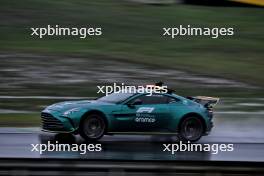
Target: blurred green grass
[[133, 33], [19, 119]]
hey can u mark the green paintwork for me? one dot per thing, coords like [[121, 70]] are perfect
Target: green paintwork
[[121, 118]]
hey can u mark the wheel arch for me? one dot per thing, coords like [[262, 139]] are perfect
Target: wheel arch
[[193, 114], [94, 111]]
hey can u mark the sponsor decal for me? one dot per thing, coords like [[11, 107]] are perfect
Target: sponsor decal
[[143, 115], [145, 110]]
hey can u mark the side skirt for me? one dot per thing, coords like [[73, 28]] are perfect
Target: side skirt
[[144, 133]]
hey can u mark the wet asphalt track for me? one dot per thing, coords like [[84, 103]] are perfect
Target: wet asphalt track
[[248, 144], [236, 121]]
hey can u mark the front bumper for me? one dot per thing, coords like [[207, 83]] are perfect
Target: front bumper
[[53, 122]]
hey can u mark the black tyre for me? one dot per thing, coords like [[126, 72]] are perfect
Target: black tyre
[[191, 129], [92, 128]]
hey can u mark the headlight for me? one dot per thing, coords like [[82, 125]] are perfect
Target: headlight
[[69, 112]]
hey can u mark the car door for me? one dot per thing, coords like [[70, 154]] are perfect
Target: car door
[[124, 119], [151, 115], [154, 114]]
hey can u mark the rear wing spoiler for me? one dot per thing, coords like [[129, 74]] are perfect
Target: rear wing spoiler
[[208, 102]]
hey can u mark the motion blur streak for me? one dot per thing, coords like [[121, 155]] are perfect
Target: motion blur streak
[[38, 72], [121, 168], [255, 2]]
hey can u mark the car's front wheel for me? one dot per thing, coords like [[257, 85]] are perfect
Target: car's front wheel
[[93, 127], [191, 129]]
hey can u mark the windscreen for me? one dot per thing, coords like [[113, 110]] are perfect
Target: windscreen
[[115, 97]]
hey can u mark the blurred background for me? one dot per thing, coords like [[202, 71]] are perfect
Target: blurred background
[[36, 72]]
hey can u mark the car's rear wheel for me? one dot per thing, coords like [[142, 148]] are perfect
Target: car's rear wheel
[[93, 127], [191, 129]]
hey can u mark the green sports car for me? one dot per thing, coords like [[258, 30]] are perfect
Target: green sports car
[[132, 113]]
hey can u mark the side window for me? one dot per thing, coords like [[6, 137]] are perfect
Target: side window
[[155, 99], [172, 100]]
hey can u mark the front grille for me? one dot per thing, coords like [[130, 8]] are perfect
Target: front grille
[[50, 123]]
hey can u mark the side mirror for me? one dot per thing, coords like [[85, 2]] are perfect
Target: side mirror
[[136, 102]]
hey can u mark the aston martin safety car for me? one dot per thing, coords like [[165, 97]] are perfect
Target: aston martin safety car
[[132, 113]]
